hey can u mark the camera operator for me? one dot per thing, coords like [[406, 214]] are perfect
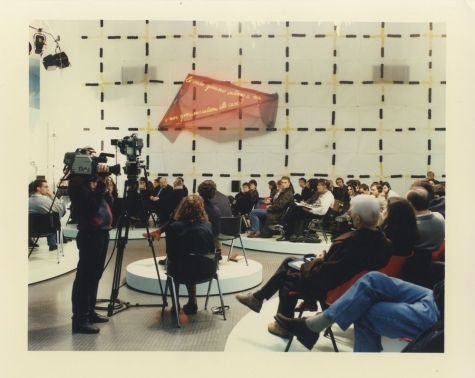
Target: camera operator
[[93, 208]]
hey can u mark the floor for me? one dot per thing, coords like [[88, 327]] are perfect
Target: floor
[[135, 329]]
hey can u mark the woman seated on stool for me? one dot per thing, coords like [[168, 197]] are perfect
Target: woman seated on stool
[[190, 233]]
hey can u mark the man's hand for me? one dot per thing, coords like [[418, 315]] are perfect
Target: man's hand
[[102, 167], [152, 198], [322, 254]]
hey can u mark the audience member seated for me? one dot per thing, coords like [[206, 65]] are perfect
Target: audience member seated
[[340, 191], [207, 190], [222, 203], [363, 189], [273, 188], [111, 188], [377, 305], [366, 248], [352, 193], [376, 190], [306, 193], [430, 177], [242, 203], [41, 202], [253, 191], [189, 233], [185, 189], [142, 204], [387, 191], [431, 234], [400, 226], [318, 206], [435, 204], [261, 219], [161, 199], [177, 195]]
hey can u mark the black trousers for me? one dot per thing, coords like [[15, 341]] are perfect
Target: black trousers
[[283, 283], [92, 247], [294, 214]]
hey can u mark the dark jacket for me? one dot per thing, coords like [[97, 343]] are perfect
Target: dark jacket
[[341, 194], [183, 238], [349, 254], [243, 203], [222, 203], [306, 193], [276, 211], [213, 216], [92, 207]]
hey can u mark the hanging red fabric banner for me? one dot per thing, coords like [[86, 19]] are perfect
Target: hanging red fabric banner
[[206, 102]]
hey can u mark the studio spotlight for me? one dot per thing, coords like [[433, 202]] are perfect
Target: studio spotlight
[[59, 60], [40, 41]]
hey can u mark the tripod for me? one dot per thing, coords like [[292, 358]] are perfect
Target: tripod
[[124, 221]]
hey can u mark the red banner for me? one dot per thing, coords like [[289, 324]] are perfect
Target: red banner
[[205, 102]]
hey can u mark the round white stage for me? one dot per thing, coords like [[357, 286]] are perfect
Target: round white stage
[[233, 277], [274, 246]]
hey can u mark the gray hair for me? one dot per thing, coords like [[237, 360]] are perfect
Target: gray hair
[[367, 207]]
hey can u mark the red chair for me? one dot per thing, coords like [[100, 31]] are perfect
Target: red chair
[[440, 253], [392, 269]]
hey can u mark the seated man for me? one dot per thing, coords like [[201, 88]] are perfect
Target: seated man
[[41, 202], [306, 192], [261, 219], [242, 203], [340, 191], [253, 191], [363, 189], [376, 190], [318, 204], [387, 191], [366, 248], [161, 199], [431, 234], [377, 305]]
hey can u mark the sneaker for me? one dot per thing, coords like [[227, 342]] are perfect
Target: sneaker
[[277, 330], [53, 247], [249, 301]]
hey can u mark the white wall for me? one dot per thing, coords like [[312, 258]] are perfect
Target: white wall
[[69, 107]]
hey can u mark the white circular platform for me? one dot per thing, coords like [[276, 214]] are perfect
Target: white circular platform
[[250, 335], [70, 231], [286, 247], [233, 277], [43, 264]]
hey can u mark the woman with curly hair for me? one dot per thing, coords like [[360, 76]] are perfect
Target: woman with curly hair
[[400, 225], [189, 233]]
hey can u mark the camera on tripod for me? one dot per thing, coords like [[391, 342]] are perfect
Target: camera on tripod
[[131, 147], [78, 163]]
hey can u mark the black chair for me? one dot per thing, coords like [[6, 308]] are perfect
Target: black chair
[[230, 229], [43, 225], [318, 224], [193, 269]]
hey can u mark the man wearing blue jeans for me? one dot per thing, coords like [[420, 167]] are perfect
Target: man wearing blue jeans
[[377, 305], [261, 219]]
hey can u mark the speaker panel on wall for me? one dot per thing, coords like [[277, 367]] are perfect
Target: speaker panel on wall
[[235, 185]]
